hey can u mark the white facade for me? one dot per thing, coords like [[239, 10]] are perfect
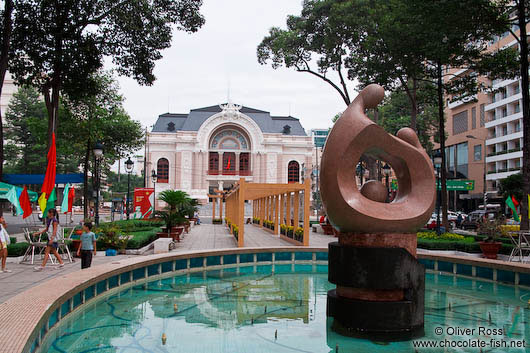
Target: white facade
[[505, 136], [232, 138]]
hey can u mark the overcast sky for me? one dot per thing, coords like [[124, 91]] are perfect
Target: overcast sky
[[199, 68]]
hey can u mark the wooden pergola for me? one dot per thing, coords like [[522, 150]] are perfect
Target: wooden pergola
[[217, 197], [274, 204]]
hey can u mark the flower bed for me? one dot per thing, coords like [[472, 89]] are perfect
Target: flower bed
[[217, 221], [268, 224], [290, 232], [255, 220]]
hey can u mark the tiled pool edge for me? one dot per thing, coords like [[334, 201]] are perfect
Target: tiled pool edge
[[25, 326]]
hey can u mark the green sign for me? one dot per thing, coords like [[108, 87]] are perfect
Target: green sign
[[452, 185]]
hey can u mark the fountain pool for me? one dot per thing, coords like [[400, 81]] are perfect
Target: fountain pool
[[281, 308]]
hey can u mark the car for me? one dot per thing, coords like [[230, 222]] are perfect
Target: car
[[473, 220], [431, 224]]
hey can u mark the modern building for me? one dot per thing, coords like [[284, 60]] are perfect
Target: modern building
[[485, 137], [319, 136], [8, 89], [213, 147]]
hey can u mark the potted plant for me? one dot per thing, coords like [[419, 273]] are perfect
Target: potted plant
[[171, 220], [492, 230]]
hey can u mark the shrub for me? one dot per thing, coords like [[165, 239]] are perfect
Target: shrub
[[283, 229], [299, 234], [141, 239], [17, 249], [13, 240], [217, 221], [443, 236], [255, 220], [235, 231], [505, 229]]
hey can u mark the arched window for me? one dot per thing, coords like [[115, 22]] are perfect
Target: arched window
[[162, 171], [244, 164], [293, 172]]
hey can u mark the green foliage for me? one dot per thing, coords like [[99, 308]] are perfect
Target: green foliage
[[217, 221], [58, 45], [395, 114], [137, 181], [13, 240], [142, 238], [444, 236], [170, 219], [179, 205], [17, 249], [317, 42], [512, 185], [492, 229]]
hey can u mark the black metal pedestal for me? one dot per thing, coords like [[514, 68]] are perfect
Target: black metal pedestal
[[376, 270]]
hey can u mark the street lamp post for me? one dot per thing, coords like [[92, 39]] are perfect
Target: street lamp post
[[153, 177], [437, 159], [128, 168], [98, 154], [386, 171], [484, 164]]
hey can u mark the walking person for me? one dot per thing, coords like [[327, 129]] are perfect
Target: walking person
[[4, 240], [88, 246], [53, 234]]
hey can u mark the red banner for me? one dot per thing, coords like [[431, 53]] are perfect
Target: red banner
[[143, 202]]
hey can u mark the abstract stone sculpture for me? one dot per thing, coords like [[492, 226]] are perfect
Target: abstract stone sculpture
[[380, 283]]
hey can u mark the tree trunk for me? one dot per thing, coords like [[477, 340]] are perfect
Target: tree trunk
[[4, 58], [526, 112], [414, 106], [412, 94], [441, 132], [85, 179]]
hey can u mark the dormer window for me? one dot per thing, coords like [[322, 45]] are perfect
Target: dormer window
[[286, 130], [171, 126]]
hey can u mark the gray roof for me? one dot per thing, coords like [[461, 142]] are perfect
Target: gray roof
[[196, 117]]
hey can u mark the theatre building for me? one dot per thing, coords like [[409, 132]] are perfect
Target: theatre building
[[213, 147]]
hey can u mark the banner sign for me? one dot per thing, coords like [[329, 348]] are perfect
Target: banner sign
[[144, 199], [452, 185]]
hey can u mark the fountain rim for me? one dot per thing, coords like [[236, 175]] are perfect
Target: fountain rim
[[22, 329]]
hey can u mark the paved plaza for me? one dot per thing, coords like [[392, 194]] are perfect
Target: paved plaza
[[203, 237]]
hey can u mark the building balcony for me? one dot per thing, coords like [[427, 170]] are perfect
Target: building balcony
[[504, 119], [229, 172]]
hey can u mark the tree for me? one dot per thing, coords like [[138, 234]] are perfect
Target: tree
[[448, 53], [115, 186], [316, 42], [101, 117], [395, 113], [26, 143], [6, 30], [61, 43], [512, 185]]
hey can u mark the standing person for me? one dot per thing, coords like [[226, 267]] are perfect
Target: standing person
[[52, 245], [4, 240], [88, 246]]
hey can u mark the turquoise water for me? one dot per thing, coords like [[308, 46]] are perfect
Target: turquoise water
[[282, 308]]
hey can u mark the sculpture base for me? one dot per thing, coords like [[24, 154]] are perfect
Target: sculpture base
[[380, 290]]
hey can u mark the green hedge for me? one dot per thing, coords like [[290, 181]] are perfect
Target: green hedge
[[139, 239], [464, 246], [16, 249]]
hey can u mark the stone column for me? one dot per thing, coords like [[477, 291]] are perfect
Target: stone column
[[220, 163], [237, 162]]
